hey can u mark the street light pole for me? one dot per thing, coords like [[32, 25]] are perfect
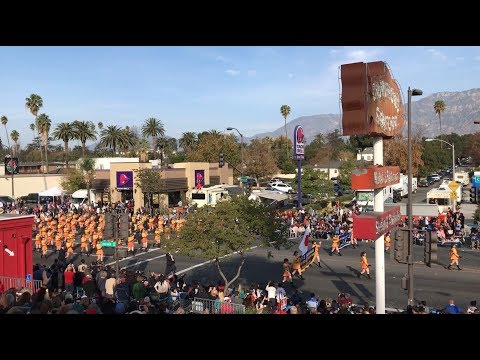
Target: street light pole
[[241, 147], [411, 92]]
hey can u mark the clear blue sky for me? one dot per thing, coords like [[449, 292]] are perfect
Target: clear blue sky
[[204, 88]]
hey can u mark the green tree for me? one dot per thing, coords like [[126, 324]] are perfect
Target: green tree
[[439, 108], [15, 135], [111, 137], [87, 166], [313, 148], [128, 141], [153, 128], [33, 104], [315, 182], [84, 130], [74, 180], [259, 159], [43, 125], [100, 125], [231, 226], [149, 181], [188, 141], [210, 146], [4, 123], [32, 127], [356, 142], [284, 162], [345, 173], [285, 111], [64, 131]]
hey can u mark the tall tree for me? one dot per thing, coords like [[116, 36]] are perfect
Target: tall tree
[[439, 108], [111, 137], [43, 125], [33, 104], [65, 132], [210, 146], [188, 141], [231, 226], [100, 125], [32, 127], [153, 127], [285, 111], [4, 123], [128, 141], [87, 166], [15, 136], [149, 182], [259, 159], [84, 130], [395, 153]]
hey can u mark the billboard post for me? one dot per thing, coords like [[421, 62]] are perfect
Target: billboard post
[[299, 155]]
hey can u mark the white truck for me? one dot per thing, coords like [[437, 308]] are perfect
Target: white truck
[[213, 194], [79, 197], [402, 186], [461, 177], [442, 197]]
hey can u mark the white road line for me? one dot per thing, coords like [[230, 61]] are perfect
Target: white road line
[[209, 261], [139, 262], [133, 256]]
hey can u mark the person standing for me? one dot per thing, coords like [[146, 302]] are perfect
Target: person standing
[[387, 241], [170, 267], [297, 265], [316, 254], [364, 265], [287, 275], [454, 257]]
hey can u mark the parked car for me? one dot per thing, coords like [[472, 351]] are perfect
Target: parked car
[[423, 183], [280, 186], [6, 200], [435, 177], [31, 198]]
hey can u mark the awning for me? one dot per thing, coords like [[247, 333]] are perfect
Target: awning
[[273, 196]]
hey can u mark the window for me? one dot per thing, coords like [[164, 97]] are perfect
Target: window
[[196, 196]]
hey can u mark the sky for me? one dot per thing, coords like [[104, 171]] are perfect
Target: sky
[[204, 88]]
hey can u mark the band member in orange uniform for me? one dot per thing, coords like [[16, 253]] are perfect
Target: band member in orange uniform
[[364, 265], [316, 254], [454, 257]]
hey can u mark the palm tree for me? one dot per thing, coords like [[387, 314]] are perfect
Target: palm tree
[[188, 141], [32, 127], [66, 132], [33, 104], [100, 125], [129, 140], [214, 132], [153, 127], [111, 137], [43, 125], [4, 123], [84, 130], [439, 108], [15, 135], [285, 111]]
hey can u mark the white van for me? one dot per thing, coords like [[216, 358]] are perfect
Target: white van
[[79, 197]]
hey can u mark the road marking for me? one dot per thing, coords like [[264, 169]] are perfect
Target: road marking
[[138, 262], [133, 256], [209, 261]]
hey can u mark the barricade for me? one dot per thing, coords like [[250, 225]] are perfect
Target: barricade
[[10, 282], [200, 305]]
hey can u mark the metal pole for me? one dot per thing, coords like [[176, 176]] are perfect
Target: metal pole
[[378, 206], [241, 150], [409, 204], [115, 236], [453, 174], [13, 186], [299, 190]]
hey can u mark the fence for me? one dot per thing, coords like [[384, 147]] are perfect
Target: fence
[[10, 282], [199, 306]]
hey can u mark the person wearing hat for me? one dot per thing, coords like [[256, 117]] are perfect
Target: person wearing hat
[[364, 265], [454, 257]]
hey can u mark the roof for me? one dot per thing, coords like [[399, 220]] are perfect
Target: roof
[[331, 165], [273, 195], [368, 150]]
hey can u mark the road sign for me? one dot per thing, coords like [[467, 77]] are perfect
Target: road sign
[[244, 179], [108, 243], [453, 185], [453, 195], [477, 179]]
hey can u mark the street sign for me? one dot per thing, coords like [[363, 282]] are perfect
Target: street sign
[[477, 179], [108, 243], [453, 185], [244, 179], [453, 195]]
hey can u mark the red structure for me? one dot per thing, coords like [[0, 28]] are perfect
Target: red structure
[[375, 177], [372, 225], [16, 259]]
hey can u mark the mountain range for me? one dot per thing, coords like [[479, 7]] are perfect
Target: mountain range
[[461, 109]]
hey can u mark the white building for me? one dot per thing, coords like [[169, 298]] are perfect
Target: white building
[[104, 163], [366, 154]]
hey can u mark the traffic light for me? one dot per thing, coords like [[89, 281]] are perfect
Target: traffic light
[[110, 223], [123, 225], [400, 245], [430, 248], [473, 195], [221, 160]]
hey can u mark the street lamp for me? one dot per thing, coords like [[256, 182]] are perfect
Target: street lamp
[[411, 92], [241, 145], [453, 154]]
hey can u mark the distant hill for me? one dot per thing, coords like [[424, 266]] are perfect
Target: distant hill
[[461, 109]]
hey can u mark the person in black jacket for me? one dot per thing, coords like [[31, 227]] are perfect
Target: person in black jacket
[[170, 267]]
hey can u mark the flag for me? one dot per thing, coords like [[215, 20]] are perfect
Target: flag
[[303, 246]]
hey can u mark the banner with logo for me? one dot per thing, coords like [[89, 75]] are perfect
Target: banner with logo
[[298, 143], [199, 178], [125, 180], [11, 165]]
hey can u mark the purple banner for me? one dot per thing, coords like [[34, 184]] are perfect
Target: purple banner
[[199, 178], [124, 179], [298, 143]]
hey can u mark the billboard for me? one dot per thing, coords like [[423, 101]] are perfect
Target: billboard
[[298, 143], [371, 100], [125, 180], [199, 178], [11, 165], [372, 225], [375, 177]]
